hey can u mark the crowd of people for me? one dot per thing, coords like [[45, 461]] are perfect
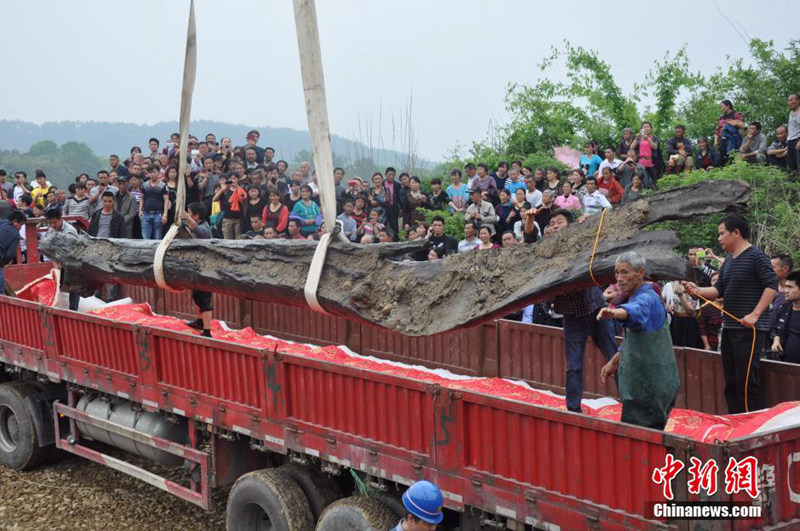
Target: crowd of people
[[244, 193], [249, 194]]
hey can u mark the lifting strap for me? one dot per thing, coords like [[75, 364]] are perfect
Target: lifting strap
[[189, 74], [305, 16]]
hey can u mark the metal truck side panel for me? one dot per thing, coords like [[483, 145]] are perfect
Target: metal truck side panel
[[779, 381], [20, 275], [215, 371], [151, 296], [778, 455], [102, 344], [179, 304], [228, 309], [703, 382], [460, 351], [298, 324], [544, 466], [379, 408], [21, 323], [588, 459], [535, 357], [508, 349]]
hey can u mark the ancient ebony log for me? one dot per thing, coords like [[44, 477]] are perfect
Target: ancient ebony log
[[372, 283]]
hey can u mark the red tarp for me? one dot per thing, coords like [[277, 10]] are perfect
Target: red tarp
[[699, 426], [42, 290]]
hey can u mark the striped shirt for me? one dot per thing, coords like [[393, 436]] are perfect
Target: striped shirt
[[77, 207], [742, 281]]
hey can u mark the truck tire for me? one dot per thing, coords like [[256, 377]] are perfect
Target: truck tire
[[268, 499], [320, 489], [19, 444], [395, 503], [357, 513]]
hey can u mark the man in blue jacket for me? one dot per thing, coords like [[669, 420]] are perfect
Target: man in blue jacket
[[9, 240]]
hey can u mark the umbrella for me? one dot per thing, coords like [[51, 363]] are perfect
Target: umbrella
[[567, 155]]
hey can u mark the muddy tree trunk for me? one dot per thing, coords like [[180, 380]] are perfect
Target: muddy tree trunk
[[372, 284]]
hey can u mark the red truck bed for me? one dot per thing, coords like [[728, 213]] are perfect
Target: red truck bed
[[531, 465]]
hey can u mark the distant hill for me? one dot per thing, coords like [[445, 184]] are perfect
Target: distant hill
[[106, 138]]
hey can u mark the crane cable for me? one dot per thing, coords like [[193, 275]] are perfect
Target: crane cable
[[189, 74], [738, 320]]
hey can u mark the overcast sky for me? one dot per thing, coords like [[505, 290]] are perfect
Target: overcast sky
[[122, 60]]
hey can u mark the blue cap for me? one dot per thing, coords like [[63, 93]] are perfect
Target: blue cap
[[423, 499]]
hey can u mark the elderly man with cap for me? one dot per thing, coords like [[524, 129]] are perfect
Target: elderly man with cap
[[481, 211], [423, 501], [648, 373]]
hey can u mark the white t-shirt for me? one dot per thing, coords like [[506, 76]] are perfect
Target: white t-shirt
[[613, 165], [594, 203], [19, 191], [534, 197], [519, 231]]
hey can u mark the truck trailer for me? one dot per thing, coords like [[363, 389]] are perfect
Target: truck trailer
[[296, 435]]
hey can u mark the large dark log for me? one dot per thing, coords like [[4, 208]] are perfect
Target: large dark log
[[370, 282]]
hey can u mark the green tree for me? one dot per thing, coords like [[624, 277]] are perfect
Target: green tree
[[665, 83], [759, 90], [60, 164], [45, 148], [591, 105]]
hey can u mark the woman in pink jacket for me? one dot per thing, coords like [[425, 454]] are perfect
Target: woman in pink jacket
[[567, 200]]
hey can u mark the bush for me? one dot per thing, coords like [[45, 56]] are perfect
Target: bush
[[453, 223], [774, 217]]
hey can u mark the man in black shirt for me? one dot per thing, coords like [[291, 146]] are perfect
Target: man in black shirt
[[579, 310], [787, 324], [437, 199], [438, 238], [748, 284], [195, 221], [252, 139]]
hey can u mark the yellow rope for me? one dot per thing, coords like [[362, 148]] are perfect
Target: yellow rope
[[752, 348], [594, 249]]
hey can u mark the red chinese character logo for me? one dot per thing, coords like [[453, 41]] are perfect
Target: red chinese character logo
[[667, 473], [703, 476], [742, 475]]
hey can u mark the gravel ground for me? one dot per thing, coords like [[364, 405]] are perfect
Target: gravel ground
[[77, 494]]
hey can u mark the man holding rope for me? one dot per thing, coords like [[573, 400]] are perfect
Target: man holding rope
[[748, 283], [648, 373]]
